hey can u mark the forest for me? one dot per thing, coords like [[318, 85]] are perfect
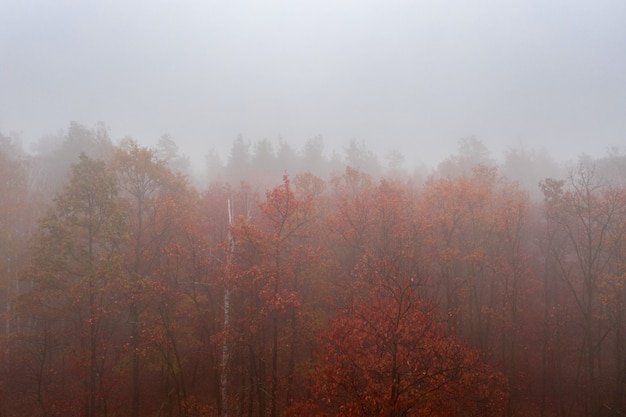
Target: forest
[[287, 282]]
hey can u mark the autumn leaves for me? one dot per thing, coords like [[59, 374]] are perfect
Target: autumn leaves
[[349, 297]]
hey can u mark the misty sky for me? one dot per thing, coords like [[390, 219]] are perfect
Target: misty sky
[[415, 76]]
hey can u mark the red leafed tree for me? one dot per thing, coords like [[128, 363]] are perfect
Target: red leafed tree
[[271, 260], [164, 265], [478, 259], [386, 355]]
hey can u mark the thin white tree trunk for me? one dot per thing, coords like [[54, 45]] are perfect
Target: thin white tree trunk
[[225, 351]]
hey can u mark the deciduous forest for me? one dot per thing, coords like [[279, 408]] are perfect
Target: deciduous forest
[[287, 282]]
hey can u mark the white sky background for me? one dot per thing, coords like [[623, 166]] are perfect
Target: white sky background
[[414, 76]]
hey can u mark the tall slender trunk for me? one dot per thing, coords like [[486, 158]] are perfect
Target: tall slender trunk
[[134, 313], [91, 382], [93, 371], [41, 371], [134, 332], [7, 320], [274, 386], [291, 367], [225, 347]]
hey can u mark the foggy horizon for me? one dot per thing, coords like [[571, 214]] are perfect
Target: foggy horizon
[[409, 76]]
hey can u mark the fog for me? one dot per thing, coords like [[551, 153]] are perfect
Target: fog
[[407, 208], [414, 76]]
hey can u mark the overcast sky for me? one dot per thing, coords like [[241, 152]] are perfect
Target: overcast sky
[[414, 76]]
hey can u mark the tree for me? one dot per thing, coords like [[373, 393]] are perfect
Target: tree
[[167, 150], [158, 208], [263, 163], [313, 158], [286, 158], [587, 216], [56, 153], [529, 167], [478, 260], [471, 152], [223, 209], [349, 219], [358, 156], [74, 298], [386, 355], [275, 258], [17, 219], [396, 164], [214, 166], [238, 166]]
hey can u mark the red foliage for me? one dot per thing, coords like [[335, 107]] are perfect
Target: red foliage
[[386, 355]]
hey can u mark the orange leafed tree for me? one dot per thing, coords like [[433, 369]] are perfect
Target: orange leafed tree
[[385, 354], [275, 261], [164, 262]]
